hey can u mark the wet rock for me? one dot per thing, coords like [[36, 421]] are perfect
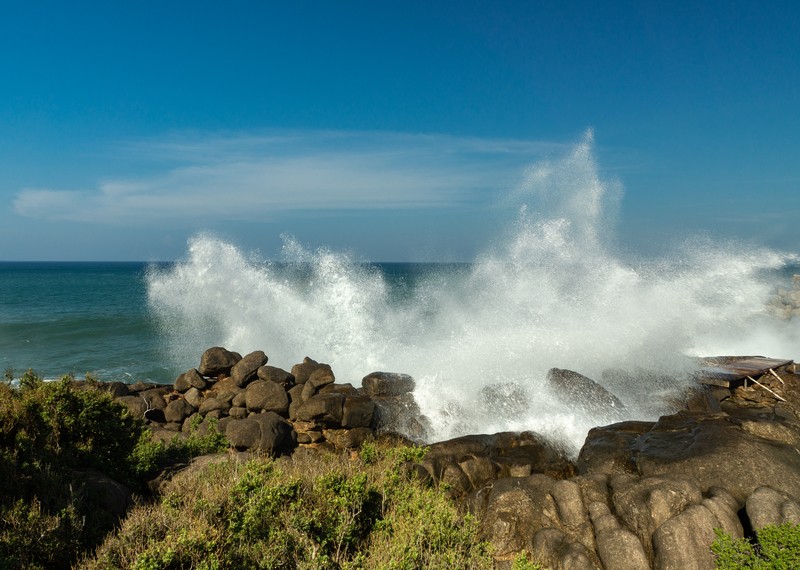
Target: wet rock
[[387, 384], [584, 394]]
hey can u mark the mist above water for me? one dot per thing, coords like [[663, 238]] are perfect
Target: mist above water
[[480, 339]]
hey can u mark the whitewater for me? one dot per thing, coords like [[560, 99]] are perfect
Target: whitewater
[[550, 292]]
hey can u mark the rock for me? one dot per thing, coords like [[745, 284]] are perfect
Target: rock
[[193, 397], [618, 548], [611, 449], [268, 396], [277, 375], [295, 400], [688, 443], [684, 541], [238, 412], [155, 416], [321, 376], [347, 438], [215, 404], [154, 398], [387, 384], [190, 378], [323, 408], [216, 361], [766, 506], [136, 405], [247, 368], [399, 414], [276, 433], [505, 400], [302, 371], [357, 412], [725, 509], [116, 389], [584, 394], [556, 550], [243, 433], [111, 495], [644, 505], [513, 513]]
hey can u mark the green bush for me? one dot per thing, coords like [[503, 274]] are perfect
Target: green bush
[[322, 511], [776, 548], [51, 432]]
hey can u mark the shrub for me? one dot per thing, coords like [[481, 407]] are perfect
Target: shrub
[[321, 511], [777, 547]]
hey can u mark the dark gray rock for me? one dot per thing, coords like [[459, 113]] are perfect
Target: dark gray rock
[[194, 397], [302, 371], [611, 449], [358, 412], [277, 375], [215, 404], [217, 360], [584, 394], [347, 438], [326, 409], [277, 434], [243, 433], [190, 378], [246, 369], [321, 376], [136, 405], [268, 396], [387, 384]]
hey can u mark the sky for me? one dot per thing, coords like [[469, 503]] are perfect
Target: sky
[[392, 130]]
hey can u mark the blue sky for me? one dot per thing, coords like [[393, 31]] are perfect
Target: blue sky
[[395, 130]]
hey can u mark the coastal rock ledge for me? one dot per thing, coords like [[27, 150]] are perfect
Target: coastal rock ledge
[[640, 494]]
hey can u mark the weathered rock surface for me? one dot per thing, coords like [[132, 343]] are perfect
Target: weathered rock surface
[[217, 360], [246, 369]]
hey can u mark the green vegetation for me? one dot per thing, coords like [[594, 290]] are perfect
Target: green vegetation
[[777, 548], [55, 439], [311, 511]]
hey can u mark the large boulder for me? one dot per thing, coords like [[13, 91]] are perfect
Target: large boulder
[[277, 375], [268, 396], [584, 394], [217, 360], [246, 369], [267, 432], [387, 384]]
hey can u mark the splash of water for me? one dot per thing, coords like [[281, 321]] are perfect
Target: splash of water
[[480, 341]]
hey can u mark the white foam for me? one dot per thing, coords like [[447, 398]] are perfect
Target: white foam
[[553, 294]]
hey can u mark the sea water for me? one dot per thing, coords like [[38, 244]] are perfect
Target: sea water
[[478, 337]]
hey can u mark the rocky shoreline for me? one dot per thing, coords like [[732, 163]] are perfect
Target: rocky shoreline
[[639, 495]]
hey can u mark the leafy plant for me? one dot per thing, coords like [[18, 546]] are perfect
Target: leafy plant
[[777, 547]]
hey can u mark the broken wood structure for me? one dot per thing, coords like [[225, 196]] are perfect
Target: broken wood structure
[[734, 371]]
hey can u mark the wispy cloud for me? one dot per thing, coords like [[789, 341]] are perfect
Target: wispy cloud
[[255, 176]]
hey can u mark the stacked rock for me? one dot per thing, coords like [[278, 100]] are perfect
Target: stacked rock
[[264, 408]]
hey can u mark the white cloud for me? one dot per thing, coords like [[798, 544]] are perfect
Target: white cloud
[[253, 176]]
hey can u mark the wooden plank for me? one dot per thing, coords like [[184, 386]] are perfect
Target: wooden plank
[[726, 370]]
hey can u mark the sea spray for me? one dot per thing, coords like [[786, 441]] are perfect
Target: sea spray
[[480, 338]]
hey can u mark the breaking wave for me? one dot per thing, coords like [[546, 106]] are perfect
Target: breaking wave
[[480, 338]]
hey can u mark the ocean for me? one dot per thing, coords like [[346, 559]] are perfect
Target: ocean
[[552, 290]]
